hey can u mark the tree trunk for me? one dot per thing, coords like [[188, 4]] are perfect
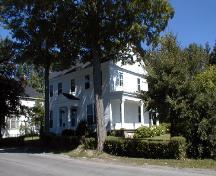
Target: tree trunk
[[46, 78], [101, 130]]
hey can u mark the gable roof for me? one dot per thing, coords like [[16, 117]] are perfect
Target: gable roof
[[31, 92], [70, 70]]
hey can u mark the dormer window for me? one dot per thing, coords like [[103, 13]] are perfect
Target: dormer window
[[87, 81], [73, 86], [59, 88], [51, 90]]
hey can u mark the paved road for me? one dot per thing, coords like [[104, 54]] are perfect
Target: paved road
[[26, 164]]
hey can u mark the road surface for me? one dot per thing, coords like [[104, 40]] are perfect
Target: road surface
[[27, 164]]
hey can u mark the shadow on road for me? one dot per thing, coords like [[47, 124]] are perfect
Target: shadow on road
[[21, 150]]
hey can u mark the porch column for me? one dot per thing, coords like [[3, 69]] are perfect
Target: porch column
[[68, 117], [142, 112], [122, 113], [157, 120]]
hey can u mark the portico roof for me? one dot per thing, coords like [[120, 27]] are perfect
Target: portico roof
[[70, 96]]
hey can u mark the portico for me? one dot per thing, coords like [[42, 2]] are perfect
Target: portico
[[128, 113]]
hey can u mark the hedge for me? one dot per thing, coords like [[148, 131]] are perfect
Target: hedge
[[173, 149], [12, 141]]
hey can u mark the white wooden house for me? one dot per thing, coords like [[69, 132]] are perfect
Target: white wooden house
[[72, 97], [16, 124]]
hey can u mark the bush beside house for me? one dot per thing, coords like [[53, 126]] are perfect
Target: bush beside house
[[146, 132]]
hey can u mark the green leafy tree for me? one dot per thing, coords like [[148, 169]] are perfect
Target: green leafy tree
[[213, 55], [38, 31], [107, 29], [200, 119], [10, 89], [33, 75], [170, 71], [167, 75]]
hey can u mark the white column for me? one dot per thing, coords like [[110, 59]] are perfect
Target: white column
[[68, 118], [122, 113], [157, 120], [142, 112], [151, 120], [111, 120]]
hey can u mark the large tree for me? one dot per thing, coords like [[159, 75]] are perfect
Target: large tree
[[33, 75], [167, 75], [108, 28], [213, 55], [37, 28], [170, 71], [200, 114], [10, 89]]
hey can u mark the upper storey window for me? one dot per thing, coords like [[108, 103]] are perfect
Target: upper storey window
[[138, 84], [51, 90], [59, 88], [120, 79], [73, 86], [87, 81]]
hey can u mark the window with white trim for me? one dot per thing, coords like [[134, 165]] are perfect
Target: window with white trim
[[14, 123], [59, 88], [120, 79], [91, 119], [139, 113], [138, 84], [87, 81], [51, 90], [73, 86]]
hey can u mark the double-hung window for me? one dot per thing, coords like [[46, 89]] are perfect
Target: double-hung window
[[59, 88], [14, 123], [73, 86], [90, 114], [120, 79], [51, 90], [87, 81], [91, 119], [138, 84], [139, 113]]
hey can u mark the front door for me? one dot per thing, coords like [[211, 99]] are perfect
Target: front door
[[63, 118], [73, 117]]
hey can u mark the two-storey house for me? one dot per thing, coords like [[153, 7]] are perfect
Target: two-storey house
[[19, 125], [72, 97]]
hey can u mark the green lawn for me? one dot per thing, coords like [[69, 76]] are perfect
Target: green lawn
[[162, 137], [31, 138]]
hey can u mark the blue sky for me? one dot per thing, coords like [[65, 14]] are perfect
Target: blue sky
[[194, 21]]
